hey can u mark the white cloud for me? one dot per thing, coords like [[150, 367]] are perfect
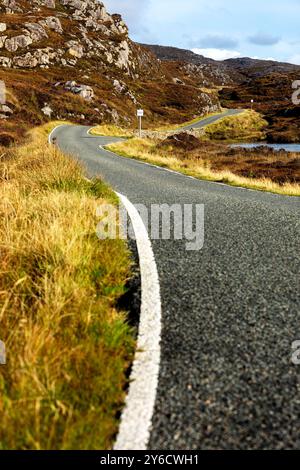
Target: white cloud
[[295, 59], [132, 10], [264, 58], [217, 54]]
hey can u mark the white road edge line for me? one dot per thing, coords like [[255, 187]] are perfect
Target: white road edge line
[[89, 131], [177, 172], [52, 132], [136, 420]]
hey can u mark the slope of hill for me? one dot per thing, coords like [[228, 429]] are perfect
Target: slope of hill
[[237, 70], [211, 71], [251, 68], [70, 59], [177, 54], [268, 83]]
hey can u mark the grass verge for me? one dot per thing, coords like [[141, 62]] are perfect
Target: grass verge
[[175, 127], [205, 163], [111, 130], [68, 346], [247, 126]]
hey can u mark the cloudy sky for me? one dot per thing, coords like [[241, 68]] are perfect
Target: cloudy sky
[[217, 28]]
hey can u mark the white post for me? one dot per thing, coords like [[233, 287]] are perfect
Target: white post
[[140, 114]]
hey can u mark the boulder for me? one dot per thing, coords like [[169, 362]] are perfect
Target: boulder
[[18, 42], [36, 31], [75, 49], [85, 91], [53, 23], [2, 41]]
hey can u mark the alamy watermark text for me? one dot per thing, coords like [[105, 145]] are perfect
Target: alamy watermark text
[[162, 221]]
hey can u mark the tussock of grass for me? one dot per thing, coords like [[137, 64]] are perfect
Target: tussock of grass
[[200, 167], [111, 130], [68, 347], [247, 126]]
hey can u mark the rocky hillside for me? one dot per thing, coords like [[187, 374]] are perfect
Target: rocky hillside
[[62, 32], [71, 59], [268, 83], [210, 72], [231, 70]]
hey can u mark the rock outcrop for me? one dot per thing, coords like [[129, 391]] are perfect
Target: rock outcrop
[[71, 59], [86, 92], [72, 29]]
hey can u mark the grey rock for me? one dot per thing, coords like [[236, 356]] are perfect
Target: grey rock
[[18, 42], [36, 31], [5, 62], [85, 91], [26, 61], [2, 41], [52, 23]]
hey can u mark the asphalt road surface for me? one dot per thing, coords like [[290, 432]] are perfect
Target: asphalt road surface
[[230, 312], [210, 120]]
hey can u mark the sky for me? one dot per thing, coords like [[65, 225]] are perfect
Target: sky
[[220, 29]]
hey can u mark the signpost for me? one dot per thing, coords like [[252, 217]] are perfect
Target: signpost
[[140, 114]]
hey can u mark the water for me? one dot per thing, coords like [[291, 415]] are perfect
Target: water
[[286, 147]]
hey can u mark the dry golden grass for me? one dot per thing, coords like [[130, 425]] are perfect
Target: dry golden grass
[[247, 126], [68, 347], [111, 130], [169, 127], [198, 166]]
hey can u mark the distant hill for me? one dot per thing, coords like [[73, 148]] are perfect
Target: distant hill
[[267, 82], [174, 53], [254, 68], [238, 68]]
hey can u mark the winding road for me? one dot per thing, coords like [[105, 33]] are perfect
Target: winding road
[[230, 312], [211, 119]]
